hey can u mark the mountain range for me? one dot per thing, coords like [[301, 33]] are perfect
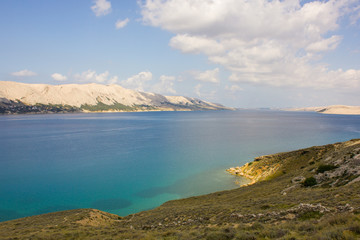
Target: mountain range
[[18, 97]]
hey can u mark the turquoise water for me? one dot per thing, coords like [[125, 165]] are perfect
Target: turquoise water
[[129, 162]]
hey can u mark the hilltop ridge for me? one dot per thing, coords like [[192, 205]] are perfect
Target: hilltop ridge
[[22, 98]]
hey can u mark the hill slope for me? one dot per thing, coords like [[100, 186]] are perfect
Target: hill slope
[[334, 109], [21, 98], [282, 204]]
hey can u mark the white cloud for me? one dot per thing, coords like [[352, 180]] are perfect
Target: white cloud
[[92, 76], [204, 93], [138, 81], [234, 88], [113, 80], [58, 77], [101, 7], [121, 23], [324, 44], [166, 85], [356, 15], [263, 42], [197, 90], [24, 73], [207, 76], [196, 44]]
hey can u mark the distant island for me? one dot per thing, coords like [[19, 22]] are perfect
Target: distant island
[[310, 193], [18, 98], [334, 109]]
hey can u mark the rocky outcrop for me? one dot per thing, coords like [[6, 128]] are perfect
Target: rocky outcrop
[[337, 166], [261, 168]]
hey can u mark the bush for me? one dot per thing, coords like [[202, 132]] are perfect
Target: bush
[[309, 182], [324, 168], [310, 215], [355, 228], [219, 236], [246, 236]]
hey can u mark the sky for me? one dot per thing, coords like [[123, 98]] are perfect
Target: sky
[[240, 53]]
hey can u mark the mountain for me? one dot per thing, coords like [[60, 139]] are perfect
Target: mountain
[[310, 193], [22, 98], [334, 109]]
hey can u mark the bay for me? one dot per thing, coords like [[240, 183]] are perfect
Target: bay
[[128, 162]]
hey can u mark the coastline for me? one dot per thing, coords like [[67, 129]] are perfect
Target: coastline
[[279, 205]]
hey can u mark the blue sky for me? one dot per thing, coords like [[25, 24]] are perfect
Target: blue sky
[[239, 53]]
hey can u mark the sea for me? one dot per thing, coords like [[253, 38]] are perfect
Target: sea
[[124, 163]]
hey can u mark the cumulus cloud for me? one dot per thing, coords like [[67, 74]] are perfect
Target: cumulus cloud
[[101, 7], [196, 44], [166, 85], [233, 88], [324, 44], [58, 77], [138, 81], [204, 93], [263, 42], [207, 76], [121, 23], [24, 73], [197, 89], [92, 76]]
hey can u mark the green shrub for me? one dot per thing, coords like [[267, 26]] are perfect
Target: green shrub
[[246, 236], [325, 168], [220, 236], [310, 215], [309, 182], [355, 228]]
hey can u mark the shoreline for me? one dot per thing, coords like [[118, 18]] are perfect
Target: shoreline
[[283, 200]]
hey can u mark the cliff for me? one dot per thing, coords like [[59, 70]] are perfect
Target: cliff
[[24, 98], [311, 193]]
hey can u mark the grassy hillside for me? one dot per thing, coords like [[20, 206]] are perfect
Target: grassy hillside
[[284, 204]]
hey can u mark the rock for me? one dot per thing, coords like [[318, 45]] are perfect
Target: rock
[[346, 208], [298, 179], [290, 216]]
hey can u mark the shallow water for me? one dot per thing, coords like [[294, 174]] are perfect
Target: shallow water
[[129, 162]]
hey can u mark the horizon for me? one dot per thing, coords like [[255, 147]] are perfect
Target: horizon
[[263, 54]]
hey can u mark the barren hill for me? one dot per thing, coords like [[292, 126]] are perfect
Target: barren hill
[[334, 109], [91, 97]]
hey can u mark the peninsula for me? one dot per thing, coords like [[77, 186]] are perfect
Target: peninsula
[[334, 109], [311, 193], [43, 98]]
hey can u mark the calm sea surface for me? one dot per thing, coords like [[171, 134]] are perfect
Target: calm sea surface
[[129, 162]]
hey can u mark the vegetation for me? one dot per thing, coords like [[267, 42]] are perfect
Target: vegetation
[[271, 208], [324, 168], [309, 182], [17, 107], [103, 107]]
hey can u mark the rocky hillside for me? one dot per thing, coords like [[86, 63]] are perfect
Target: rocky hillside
[[334, 109], [23, 98], [311, 193]]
